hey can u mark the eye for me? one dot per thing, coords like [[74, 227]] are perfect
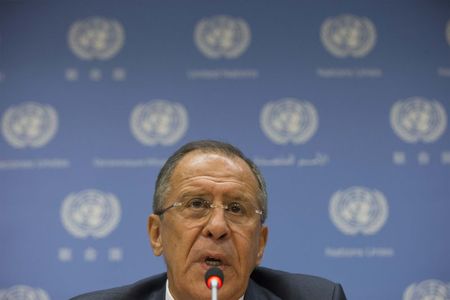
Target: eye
[[236, 208], [197, 204]]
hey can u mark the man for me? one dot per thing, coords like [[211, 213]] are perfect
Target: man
[[209, 208]]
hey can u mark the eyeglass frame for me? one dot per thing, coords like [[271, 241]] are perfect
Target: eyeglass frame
[[211, 205]]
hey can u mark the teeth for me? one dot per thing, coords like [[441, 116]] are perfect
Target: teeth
[[213, 262]]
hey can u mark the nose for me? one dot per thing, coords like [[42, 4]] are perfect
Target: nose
[[217, 227]]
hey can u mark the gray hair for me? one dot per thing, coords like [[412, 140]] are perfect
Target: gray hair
[[162, 184]]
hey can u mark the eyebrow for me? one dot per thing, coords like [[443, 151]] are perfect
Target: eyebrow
[[200, 193], [197, 193]]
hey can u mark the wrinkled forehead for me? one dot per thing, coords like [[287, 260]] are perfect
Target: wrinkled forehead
[[213, 165]]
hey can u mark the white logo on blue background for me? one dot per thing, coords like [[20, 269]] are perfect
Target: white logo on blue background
[[289, 120], [431, 289], [358, 210], [418, 120], [159, 122], [23, 292], [96, 38], [29, 125], [348, 35], [90, 213], [222, 36]]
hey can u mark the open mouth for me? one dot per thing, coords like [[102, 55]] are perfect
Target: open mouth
[[213, 262]]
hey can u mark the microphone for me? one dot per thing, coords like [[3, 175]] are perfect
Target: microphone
[[214, 281]]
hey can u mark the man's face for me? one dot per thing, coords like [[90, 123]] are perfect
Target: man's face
[[191, 248]]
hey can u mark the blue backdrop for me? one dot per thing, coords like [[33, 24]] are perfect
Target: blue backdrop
[[343, 104]]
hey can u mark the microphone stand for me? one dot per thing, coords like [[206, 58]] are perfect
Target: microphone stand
[[214, 280], [214, 286]]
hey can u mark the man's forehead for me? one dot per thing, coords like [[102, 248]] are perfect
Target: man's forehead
[[200, 160], [211, 163], [207, 173]]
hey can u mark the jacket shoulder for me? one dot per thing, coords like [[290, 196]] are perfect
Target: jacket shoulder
[[148, 288], [297, 286]]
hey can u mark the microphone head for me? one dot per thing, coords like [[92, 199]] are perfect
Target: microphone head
[[214, 274]]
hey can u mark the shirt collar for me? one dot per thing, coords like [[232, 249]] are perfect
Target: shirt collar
[[169, 294]]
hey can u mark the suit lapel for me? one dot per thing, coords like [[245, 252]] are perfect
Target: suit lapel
[[159, 294], [257, 292], [254, 292]]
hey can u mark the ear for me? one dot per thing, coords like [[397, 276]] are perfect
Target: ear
[[263, 235], [154, 233]]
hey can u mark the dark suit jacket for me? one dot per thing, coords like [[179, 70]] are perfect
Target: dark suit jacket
[[264, 284]]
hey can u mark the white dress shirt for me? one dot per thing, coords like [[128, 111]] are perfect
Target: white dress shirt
[[170, 297]]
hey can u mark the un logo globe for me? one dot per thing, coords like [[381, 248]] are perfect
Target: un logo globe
[[289, 120], [348, 35], [222, 36], [159, 122], [358, 210], [90, 213], [417, 119], [96, 38], [23, 292], [430, 289], [29, 125]]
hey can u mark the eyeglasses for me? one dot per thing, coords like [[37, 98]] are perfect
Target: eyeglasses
[[197, 209]]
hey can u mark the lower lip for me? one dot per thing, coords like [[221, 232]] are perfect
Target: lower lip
[[205, 266]]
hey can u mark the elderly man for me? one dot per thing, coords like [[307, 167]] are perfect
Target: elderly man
[[209, 207]]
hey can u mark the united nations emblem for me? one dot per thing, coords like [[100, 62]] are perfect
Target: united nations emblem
[[358, 210], [222, 36], [29, 125], [427, 290], [348, 35], [418, 119], [289, 120], [159, 122], [90, 213], [96, 38], [23, 292]]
